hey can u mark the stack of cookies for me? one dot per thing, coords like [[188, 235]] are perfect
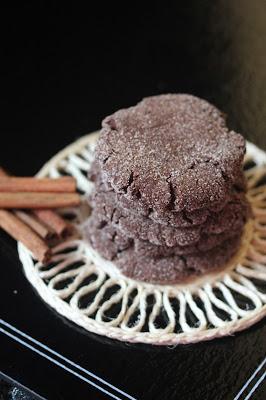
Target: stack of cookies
[[169, 199]]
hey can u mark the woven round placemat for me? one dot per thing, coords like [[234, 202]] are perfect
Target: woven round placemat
[[92, 293]]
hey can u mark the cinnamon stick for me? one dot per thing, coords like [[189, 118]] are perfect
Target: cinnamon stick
[[66, 184], [53, 221], [50, 218], [33, 223], [38, 200], [21, 232]]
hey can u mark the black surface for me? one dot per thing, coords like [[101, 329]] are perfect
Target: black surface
[[65, 68], [12, 390]]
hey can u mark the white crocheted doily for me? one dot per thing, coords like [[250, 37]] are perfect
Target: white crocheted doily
[[91, 292]]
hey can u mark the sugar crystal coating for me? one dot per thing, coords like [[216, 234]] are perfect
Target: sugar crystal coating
[[169, 199], [143, 261], [170, 151], [230, 218]]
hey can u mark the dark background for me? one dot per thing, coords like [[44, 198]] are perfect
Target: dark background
[[63, 68]]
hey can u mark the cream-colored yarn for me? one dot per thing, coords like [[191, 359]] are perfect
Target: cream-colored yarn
[[121, 308]]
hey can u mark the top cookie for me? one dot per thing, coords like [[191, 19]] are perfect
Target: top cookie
[[170, 152]]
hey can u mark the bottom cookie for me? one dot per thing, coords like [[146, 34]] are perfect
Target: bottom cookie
[[156, 268], [176, 269]]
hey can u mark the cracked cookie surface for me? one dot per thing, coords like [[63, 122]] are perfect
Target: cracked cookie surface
[[169, 199], [230, 219], [159, 264], [170, 218], [170, 152]]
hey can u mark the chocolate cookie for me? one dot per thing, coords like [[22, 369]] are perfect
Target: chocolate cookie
[[170, 152], [143, 261], [182, 219], [176, 269], [169, 199], [231, 218], [110, 241]]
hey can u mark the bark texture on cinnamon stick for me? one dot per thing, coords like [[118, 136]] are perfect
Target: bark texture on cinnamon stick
[[23, 233], [34, 224], [38, 200], [66, 184], [53, 221], [48, 223]]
